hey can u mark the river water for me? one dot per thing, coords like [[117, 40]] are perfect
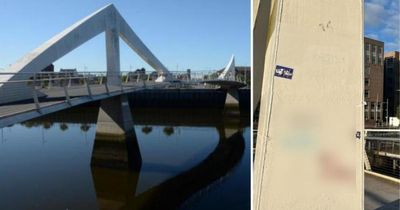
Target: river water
[[190, 159]]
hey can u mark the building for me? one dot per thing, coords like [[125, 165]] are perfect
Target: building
[[69, 72], [391, 91], [49, 68], [373, 82]]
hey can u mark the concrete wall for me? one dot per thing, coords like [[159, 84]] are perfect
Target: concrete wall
[[307, 153], [178, 98], [186, 98]]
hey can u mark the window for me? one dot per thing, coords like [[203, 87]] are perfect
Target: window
[[373, 59], [379, 60], [380, 50], [379, 106], [366, 47], [372, 116], [366, 58], [372, 106], [366, 94], [366, 82]]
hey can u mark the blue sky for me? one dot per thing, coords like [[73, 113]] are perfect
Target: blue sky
[[382, 22], [201, 35]]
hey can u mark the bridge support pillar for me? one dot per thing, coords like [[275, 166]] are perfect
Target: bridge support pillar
[[113, 60], [116, 144], [232, 97]]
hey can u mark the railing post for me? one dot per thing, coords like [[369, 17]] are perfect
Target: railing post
[[69, 81], [68, 99], [148, 77], [49, 85], [127, 78], [393, 147], [106, 86], [88, 86], [36, 99], [101, 79]]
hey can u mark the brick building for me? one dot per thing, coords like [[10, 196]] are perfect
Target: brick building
[[373, 82], [391, 91]]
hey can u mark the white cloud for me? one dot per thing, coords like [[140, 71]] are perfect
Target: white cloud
[[380, 2], [372, 36], [392, 46], [392, 21], [382, 20], [374, 14]]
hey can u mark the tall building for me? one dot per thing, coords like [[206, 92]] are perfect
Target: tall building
[[391, 91], [373, 82]]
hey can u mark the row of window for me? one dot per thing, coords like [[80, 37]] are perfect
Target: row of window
[[373, 106], [373, 59], [372, 116], [373, 48], [373, 54]]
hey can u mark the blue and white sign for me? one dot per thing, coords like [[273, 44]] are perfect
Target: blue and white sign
[[284, 72]]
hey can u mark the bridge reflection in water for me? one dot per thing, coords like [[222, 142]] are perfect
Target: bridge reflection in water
[[183, 153]]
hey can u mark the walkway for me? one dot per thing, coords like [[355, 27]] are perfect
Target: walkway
[[381, 194], [55, 100]]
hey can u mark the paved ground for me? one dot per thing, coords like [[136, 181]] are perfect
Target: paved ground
[[381, 194]]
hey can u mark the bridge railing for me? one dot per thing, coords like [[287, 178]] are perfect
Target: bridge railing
[[382, 148], [46, 81], [199, 76], [90, 83]]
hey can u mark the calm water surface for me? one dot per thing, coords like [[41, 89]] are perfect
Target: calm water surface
[[190, 160]]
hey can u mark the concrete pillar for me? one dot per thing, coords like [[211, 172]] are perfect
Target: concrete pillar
[[232, 97], [113, 61], [114, 186], [116, 144]]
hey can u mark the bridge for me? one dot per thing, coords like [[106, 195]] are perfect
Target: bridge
[[26, 92]]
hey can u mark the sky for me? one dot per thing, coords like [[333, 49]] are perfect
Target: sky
[[382, 22], [182, 34], [200, 35]]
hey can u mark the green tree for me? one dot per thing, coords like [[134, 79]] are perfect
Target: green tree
[[147, 129], [168, 131], [63, 126]]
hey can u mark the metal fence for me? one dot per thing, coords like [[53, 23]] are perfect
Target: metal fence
[[67, 80], [382, 148]]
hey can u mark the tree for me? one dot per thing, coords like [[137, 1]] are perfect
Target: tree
[[63, 126], [85, 127], [168, 131], [147, 129]]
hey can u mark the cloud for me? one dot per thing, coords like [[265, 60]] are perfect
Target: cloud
[[372, 36], [374, 14], [380, 2], [382, 22], [392, 46]]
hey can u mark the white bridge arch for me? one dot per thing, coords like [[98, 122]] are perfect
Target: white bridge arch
[[106, 19]]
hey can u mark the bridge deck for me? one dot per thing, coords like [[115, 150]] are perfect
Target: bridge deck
[[55, 100], [381, 194]]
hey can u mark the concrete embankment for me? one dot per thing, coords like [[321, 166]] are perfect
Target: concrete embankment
[[185, 98]]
